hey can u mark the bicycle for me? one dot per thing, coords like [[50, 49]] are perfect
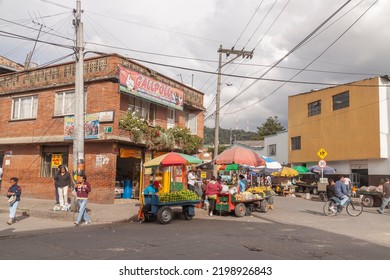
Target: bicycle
[[332, 207]]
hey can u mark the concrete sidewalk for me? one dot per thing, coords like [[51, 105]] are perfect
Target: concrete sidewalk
[[123, 211]]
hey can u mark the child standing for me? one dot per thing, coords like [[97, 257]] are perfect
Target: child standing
[[16, 191]]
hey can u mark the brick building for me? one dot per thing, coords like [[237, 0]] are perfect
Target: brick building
[[36, 108]]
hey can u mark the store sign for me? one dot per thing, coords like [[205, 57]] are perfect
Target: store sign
[[134, 83], [56, 160], [128, 153], [107, 116]]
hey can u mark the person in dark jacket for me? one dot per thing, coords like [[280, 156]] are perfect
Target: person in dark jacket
[[62, 181], [83, 188], [17, 191], [330, 189]]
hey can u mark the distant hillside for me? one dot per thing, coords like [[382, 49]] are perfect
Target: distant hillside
[[224, 135]]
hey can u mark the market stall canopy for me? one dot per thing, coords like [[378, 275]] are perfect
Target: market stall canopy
[[229, 167], [239, 155], [171, 159], [285, 172], [271, 165], [317, 169], [301, 169]]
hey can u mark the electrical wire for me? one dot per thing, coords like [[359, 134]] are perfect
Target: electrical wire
[[295, 75]]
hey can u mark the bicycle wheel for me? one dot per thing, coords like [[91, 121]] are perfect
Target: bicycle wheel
[[354, 208], [330, 208]]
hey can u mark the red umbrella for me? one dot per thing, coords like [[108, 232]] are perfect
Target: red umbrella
[[239, 155]]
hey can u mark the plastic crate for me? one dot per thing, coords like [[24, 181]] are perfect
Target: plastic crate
[[222, 207], [223, 198]]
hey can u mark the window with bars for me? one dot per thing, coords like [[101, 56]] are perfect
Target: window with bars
[[52, 157], [340, 100], [314, 108], [24, 107], [296, 143]]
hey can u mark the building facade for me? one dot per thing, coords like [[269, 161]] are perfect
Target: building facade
[[276, 147], [36, 125], [350, 122]]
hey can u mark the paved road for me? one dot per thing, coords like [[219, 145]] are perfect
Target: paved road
[[295, 230]]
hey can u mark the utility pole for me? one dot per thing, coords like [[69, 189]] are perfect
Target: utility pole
[[78, 136], [245, 54]]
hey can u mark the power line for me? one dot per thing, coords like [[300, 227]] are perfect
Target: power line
[[286, 55], [338, 38]]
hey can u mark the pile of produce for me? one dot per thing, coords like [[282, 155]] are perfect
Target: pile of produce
[[258, 189], [244, 196], [183, 195]]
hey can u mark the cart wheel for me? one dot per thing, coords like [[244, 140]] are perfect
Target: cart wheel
[[240, 210], [323, 197], [264, 206], [186, 215], [164, 215], [377, 201], [367, 201]]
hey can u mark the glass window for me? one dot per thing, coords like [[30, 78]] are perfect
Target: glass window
[[341, 101], [192, 122], [24, 107], [143, 109], [52, 157], [314, 108], [296, 143], [64, 103], [271, 149], [171, 118]]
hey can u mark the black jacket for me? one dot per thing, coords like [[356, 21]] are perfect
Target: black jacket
[[61, 181]]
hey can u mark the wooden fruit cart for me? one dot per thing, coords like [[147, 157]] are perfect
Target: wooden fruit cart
[[163, 210], [227, 203]]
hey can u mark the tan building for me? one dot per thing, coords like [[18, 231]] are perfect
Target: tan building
[[350, 122]]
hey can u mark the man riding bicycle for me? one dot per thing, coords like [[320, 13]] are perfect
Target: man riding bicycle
[[340, 191]]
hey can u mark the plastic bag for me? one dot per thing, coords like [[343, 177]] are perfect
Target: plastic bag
[[12, 199], [206, 202]]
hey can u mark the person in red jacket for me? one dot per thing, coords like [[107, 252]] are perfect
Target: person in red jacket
[[82, 188], [212, 189]]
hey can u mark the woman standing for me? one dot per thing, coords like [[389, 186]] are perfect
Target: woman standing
[[82, 188], [17, 192], [212, 189], [62, 182]]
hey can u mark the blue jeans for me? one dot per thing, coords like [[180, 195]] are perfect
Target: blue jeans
[[385, 201], [343, 200], [12, 209], [83, 211]]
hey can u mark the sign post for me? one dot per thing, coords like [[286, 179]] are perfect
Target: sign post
[[322, 163]]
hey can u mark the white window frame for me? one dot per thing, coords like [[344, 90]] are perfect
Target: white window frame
[[17, 105], [171, 118], [62, 111], [144, 109], [192, 123], [271, 150]]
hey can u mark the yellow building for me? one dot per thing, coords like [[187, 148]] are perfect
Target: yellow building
[[350, 122]]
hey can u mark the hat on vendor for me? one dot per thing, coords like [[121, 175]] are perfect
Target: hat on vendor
[[156, 184]]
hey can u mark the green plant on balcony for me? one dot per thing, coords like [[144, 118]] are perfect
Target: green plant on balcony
[[158, 138]]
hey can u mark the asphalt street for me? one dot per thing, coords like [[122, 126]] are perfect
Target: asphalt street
[[295, 230]]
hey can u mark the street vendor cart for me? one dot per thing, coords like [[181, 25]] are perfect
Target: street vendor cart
[[154, 207], [254, 199]]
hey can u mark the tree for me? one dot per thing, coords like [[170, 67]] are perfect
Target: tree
[[271, 126]]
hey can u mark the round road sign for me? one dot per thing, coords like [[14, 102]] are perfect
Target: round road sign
[[322, 163]]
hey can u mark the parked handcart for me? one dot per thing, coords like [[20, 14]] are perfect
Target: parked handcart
[[242, 204], [153, 207]]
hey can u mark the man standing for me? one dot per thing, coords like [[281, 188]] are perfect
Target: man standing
[[347, 183], [386, 196], [191, 180]]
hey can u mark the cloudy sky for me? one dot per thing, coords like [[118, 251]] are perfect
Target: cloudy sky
[[180, 38]]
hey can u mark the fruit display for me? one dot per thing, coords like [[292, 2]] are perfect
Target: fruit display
[[183, 195], [258, 189]]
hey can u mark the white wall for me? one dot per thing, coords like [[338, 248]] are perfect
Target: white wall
[[281, 142]]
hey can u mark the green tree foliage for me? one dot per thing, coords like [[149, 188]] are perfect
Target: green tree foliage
[[224, 135], [271, 126]]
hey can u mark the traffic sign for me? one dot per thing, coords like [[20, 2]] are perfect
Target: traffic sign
[[322, 163], [322, 153]]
